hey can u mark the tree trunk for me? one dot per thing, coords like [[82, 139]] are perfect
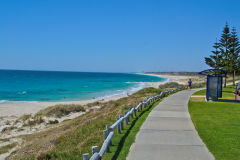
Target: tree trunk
[[233, 77], [225, 81]]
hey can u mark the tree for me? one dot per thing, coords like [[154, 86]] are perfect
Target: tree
[[225, 44], [234, 51], [215, 60]]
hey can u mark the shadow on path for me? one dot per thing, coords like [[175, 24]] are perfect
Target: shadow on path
[[228, 100]]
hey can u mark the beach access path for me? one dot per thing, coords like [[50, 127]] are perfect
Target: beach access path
[[169, 134]]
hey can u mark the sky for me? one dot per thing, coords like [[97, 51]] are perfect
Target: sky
[[112, 35]]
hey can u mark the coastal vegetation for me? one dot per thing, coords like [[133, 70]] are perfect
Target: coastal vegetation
[[60, 110], [226, 53], [217, 123], [6, 148], [171, 85], [71, 138], [56, 111]]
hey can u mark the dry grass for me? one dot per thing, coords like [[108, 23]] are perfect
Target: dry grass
[[5, 149], [70, 139], [171, 85], [57, 111], [60, 110]]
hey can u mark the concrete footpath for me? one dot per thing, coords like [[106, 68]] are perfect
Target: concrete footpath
[[169, 134]]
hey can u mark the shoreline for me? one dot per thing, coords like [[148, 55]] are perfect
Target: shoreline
[[10, 110], [170, 78], [14, 109]]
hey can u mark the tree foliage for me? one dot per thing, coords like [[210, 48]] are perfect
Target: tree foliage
[[215, 60], [234, 51], [226, 52]]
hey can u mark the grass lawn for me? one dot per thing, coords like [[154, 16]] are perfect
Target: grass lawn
[[217, 124], [227, 93]]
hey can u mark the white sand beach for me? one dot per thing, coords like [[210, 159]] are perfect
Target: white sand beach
[[181, 79], [16, 109]]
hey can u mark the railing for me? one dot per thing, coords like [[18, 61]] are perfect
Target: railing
[[109, 132]]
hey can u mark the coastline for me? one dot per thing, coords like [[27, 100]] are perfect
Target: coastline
[[170, 78], [13, 110], [10, 110]]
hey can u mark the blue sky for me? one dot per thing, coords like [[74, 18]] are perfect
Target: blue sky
[[112, 36]]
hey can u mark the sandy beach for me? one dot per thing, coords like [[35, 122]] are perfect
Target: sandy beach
[[16, 109], [181, 79]]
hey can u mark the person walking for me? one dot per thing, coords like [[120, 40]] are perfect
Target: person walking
[[189, 84]]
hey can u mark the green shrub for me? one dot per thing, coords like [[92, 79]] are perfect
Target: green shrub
[[23, 118], [146, 91], [34, 121], [171, 85], [61, 110], [53, 121], [198, 85]]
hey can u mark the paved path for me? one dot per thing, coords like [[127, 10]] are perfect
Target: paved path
[[169, 134]]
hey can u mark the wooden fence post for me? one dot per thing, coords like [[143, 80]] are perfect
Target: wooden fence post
[[86, 156], [105, 133], [131, 113], [126, 119], [94, 149], [108, 130], [121, 123]]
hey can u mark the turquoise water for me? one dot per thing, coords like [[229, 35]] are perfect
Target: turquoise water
[[67, 86]]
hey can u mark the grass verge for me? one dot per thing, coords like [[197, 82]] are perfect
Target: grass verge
[[218, 126], [227, 93]]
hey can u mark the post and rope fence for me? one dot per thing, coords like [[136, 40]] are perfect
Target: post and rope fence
[[119, 124]]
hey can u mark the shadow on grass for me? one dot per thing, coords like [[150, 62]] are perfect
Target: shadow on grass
[[228, 100], [121, 144], [228, 92]]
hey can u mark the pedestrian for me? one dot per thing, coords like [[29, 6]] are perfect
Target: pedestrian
[[189, 83]]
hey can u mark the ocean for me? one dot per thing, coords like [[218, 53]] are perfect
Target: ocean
[[16, 85]]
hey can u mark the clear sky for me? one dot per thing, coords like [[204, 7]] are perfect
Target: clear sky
[[112, 36]]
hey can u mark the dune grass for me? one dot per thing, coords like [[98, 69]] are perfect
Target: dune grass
[[5, 149], [70, 139], [171, 85], [60, 110], [217, 124], [56, 111]]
